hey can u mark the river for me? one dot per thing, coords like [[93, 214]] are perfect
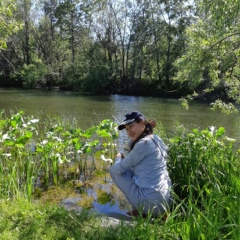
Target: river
[[90, 110]]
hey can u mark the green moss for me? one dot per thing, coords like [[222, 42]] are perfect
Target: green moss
[[86, 202], [103, 197], [56, 194]]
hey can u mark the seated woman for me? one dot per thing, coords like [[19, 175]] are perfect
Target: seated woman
[[142, 174]]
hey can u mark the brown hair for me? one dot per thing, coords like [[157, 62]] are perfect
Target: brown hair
[[147, 131]]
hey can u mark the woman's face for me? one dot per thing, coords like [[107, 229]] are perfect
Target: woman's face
[[135, 129]]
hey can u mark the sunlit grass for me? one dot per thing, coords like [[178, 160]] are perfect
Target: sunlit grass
[[205, 171]]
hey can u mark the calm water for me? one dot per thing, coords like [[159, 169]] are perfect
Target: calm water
[[90, 110]]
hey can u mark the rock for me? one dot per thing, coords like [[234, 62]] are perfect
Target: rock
[[116, 219], [111, 219]]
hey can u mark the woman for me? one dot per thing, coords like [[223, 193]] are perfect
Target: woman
[[142, 174]]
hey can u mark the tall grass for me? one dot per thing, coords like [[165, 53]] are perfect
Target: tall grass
[[205, 171]]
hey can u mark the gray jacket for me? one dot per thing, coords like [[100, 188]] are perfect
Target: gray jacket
[[147, 160]]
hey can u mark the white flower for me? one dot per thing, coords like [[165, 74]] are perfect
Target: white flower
[[34, 120], [58, 139], [7, 154], [44, 142], [5, 136], [230, 139], [106, 159]]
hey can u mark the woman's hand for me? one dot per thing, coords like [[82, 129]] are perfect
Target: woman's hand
[[152, 122], [120, 155]]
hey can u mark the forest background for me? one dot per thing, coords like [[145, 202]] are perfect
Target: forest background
[[157, 47]]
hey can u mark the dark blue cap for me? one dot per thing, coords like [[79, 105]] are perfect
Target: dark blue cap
[[129, 118]]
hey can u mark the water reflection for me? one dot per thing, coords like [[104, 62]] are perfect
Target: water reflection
[[104, 198]]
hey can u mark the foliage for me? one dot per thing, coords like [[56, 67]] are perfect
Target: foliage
[[211, 61], [102, 47], [96, 79], [227, 108], [204, 168], [206, 156], [33, 74], [8, 24], [47, 68]]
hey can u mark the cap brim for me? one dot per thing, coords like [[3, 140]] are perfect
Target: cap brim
[[124, 123]]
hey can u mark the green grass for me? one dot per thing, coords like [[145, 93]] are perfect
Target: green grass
[[204, 168], [23, 220]]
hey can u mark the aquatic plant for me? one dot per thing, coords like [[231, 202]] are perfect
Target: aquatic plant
[[44, 154], [17, 163]]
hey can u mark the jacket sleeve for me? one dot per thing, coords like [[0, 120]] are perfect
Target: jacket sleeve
[[132, 159], [127, 147]]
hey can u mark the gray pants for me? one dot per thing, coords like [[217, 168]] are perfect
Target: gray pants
[[147, 200]]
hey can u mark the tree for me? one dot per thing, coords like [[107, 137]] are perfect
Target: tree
[[8, 25], [165, 23], [24, 13], [211, 62]]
